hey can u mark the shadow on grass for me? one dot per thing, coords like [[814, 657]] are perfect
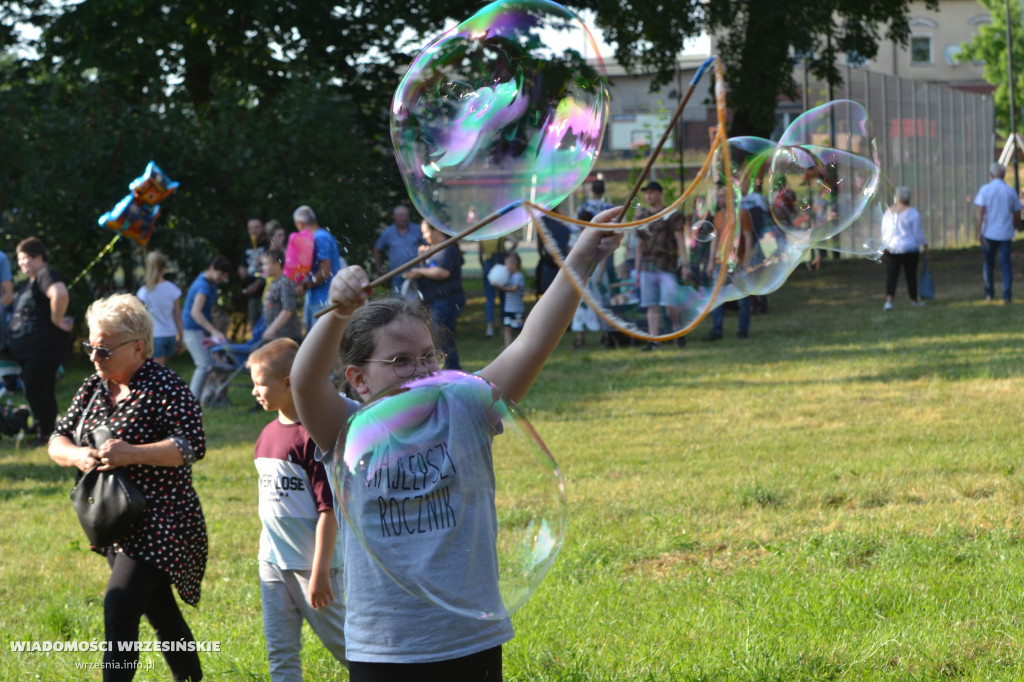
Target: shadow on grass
[[833, 315], [28, 478]]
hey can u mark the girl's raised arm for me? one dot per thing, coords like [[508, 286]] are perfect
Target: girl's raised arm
[[321, 410], [515, 369]]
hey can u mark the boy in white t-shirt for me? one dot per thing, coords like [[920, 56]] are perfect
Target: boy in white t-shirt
[[300, 571]]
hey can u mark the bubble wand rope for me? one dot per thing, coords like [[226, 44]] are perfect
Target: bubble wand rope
[[698, 178], [435, 249], [725, 240], [106, 249], [656, 152]]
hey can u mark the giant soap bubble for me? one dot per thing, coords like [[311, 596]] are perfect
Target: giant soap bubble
[[508, 106], [827, 184], [822, 190], [452, 492], [749, 219]]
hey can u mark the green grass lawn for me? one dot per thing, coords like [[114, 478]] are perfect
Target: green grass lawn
[[838, 497]]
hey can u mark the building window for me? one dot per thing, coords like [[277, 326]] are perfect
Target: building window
[[854, 58], [921, 50]]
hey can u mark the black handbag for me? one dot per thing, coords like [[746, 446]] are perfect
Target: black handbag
[[107, 502]]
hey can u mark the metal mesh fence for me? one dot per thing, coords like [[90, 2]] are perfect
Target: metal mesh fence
[[935, 140]]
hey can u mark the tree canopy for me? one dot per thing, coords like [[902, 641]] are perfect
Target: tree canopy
[[254, 109], [989, 46], [759, 42]]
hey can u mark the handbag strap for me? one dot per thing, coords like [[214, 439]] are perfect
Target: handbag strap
[[81, 420]]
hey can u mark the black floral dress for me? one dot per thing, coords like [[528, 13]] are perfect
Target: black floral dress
[[171, 534]]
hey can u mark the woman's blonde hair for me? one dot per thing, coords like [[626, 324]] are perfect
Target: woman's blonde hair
[[124, 316], [156, 265]]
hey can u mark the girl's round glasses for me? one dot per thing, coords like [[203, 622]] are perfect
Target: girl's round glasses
[[404, 364]]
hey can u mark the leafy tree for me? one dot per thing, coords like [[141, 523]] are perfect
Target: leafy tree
[[759, 42], [254, 109], [989, 46]]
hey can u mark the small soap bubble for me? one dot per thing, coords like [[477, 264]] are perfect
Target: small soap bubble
[[703, 232], [873, 250]]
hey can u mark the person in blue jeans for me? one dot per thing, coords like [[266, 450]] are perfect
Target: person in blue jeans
[[744, 251], [440, 283], [197, 320], [400, 242], [998, 218], [326, 262], [718, 319]]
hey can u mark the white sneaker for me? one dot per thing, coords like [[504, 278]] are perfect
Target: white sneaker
[[887, 306]]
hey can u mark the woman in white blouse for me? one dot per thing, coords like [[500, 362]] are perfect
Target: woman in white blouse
[[902, 239]]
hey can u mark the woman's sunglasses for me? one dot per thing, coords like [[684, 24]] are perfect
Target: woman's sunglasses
[[101, 352]]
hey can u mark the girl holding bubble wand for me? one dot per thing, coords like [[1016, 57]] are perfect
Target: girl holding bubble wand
[[391, 634]]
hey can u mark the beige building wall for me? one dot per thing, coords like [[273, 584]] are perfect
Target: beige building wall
[[935, 39]]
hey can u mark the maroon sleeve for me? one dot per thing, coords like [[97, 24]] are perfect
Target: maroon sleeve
[[317, 476]]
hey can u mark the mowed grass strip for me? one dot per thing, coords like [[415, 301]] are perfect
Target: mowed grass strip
[[836, 498]]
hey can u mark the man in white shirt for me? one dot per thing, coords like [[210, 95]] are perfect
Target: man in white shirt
[[998, 218]]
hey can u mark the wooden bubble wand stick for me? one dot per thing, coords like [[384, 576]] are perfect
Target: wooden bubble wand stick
[[434, 249], [656, 152]]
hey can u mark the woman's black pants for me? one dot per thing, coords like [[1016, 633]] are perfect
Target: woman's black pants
[[139, 589]]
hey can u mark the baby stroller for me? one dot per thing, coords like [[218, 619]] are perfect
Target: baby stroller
[[228, 362]]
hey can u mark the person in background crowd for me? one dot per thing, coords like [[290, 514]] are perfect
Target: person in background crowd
[[491, 252], [197, 319], [440, 283], [278, 236], [998, 218], [326, 262], [513, 311], [6, 296], [399, 243], [744, 249], [250, 272], [6, 283], [596, 203], [279, 304], [902, 240], [161, 299], [754, 203], [660, 254], [40, 334], [547, 266]]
